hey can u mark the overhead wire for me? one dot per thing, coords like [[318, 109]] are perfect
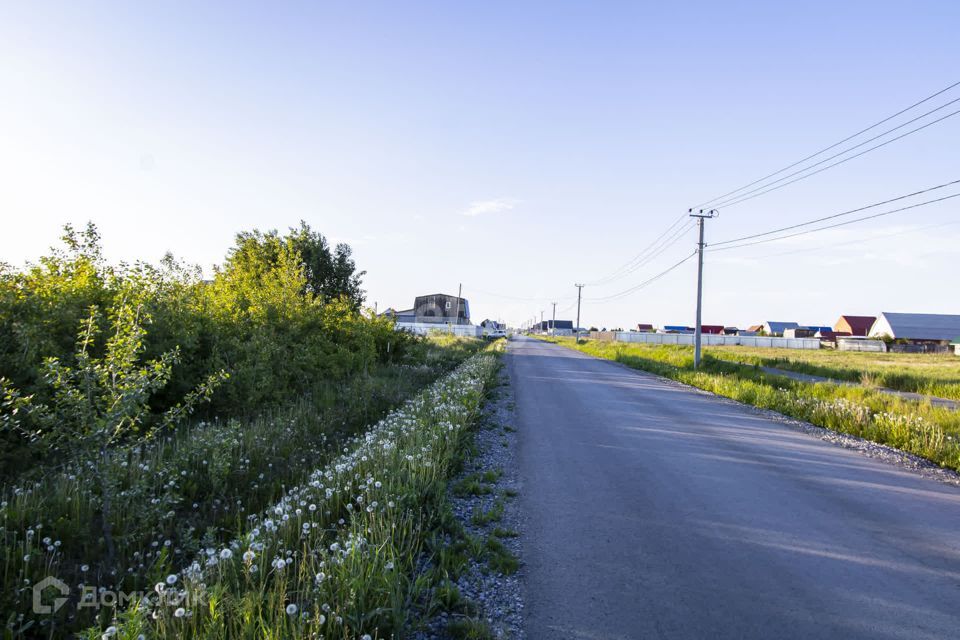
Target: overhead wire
[[836, 215], [643, 284], [835, 225], [625, 268], [766, 190], [832, 146], [880, 236]]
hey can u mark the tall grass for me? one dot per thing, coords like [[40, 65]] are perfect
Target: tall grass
[[916, 427], [928, 374], [334, 557], [179, 494]]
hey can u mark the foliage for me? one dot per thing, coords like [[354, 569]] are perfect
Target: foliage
[[331, 557], [281, 313], [928, 374]]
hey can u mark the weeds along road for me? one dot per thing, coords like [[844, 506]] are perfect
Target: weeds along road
[[654, 511]]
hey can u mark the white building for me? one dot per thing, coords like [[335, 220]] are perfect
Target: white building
[[917, 327]]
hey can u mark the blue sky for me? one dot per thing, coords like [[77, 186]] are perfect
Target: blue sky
[[516, 148]]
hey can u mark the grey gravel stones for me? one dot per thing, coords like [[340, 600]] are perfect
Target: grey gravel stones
[[497, 599]]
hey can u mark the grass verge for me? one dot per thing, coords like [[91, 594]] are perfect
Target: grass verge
[[333, 557], [193, 490]]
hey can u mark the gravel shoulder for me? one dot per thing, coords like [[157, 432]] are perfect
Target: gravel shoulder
[[489, 515]]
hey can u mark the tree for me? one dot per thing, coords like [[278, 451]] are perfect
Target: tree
[[101, 403], [329, 275]]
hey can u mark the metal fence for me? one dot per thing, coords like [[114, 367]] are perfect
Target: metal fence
[[425, 328], [717, 340]]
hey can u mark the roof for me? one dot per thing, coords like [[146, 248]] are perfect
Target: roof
[[858, 324], [917, 326], [779, 327]]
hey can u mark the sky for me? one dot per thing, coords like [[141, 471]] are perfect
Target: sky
[[513, 148]]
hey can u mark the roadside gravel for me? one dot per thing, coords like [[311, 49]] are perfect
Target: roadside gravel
[[497, 599]]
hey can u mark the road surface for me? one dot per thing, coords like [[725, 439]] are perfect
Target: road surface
[[655, 511]]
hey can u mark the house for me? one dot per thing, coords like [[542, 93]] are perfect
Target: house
[[440, 308], [646, 328], [676, 328], [712, 329], [776, 328], [799, 332], [854, 325], [730, 331], [831, 336], [406, 315], [753, 330], [816, 328], [956, 346], [555, 327], [917, 328]]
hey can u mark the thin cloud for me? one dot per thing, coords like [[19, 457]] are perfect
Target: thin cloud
[[484, 207]]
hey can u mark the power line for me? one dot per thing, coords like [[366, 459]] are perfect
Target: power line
[[629, 267], [658, 251], [838, 224], [517, 298], [643, 284], [880, 236], [836, 215], [730, 203], [833, 146]]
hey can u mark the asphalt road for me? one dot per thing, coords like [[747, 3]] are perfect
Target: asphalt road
[[655, 511]]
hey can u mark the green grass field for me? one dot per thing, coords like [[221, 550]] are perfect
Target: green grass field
[[930, 374]]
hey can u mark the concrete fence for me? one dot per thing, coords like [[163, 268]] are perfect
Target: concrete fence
[[717, 340], [426, 328]]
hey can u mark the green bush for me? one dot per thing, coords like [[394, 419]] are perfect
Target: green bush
[[280, 315]]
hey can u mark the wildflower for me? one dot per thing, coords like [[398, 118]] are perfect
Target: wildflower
[[180, 612], [84, 568], [172, 579], [248, 556], [322, 619], [226, 554], [291, 609]]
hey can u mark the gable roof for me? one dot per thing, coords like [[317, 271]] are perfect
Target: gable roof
[[780, 327], [917, 326], [859, 325]]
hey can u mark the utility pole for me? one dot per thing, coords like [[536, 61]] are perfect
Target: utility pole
[[554, 317], [541, 320], [701, 218], [579, 291], [459, 295]]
